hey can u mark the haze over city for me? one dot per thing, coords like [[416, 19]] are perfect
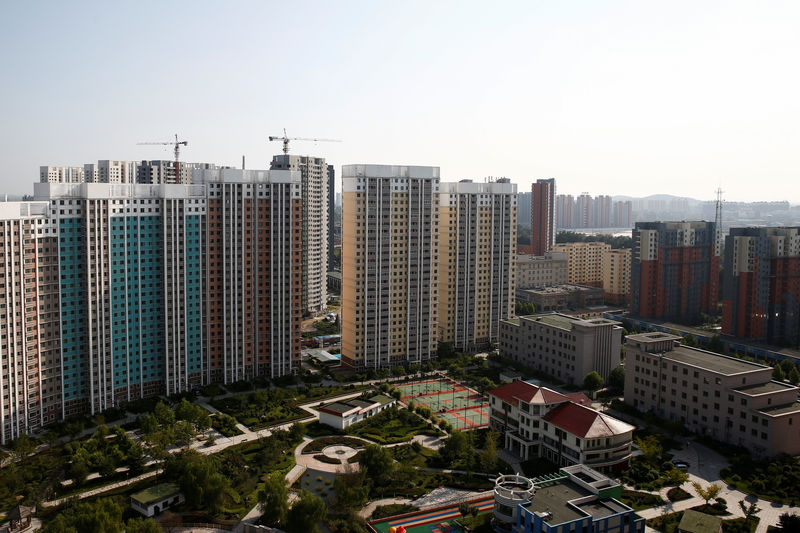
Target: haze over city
[[614, 98]]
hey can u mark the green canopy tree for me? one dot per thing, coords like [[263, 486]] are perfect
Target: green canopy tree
[[616, 379], [592, 381], [273, 501], [305, 513]]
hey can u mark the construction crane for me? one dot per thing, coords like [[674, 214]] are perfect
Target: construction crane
[[177, 144], [286, 140]]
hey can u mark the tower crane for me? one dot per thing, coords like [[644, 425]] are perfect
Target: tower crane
[[286, 140], [177, 144]]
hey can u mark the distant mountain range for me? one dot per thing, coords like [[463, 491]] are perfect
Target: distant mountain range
[[658, 197]]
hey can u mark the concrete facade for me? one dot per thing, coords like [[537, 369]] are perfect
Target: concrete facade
[[477, 249], [539, 422], [674, 271], [616, 268], [535, 271], [390, 227], [761, 285], [315, 177], [728, 399], [562, 346], [584, 261], [543, 216]]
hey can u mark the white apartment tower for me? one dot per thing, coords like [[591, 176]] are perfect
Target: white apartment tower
[[314, 176], [390, 224], [477, 260]]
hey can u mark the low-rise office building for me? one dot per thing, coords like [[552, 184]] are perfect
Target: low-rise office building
[[577, 498], [546, 270], [562, 428], [562, 346], [562, 297], [341, 415], [727, 399]]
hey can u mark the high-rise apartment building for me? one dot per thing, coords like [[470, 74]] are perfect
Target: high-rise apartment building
[[48, 174], [674, 271], [109, 171], [29, 319], [110, 292], [727, 399], [543, 216], [331, 214], [524, 201], [562, 346], [616, 266], [477, 260], [255, 252], [390, 226], [584, 261], [761, 285], [315, 226]]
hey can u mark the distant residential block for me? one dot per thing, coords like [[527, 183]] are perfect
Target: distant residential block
[[562, 346], [674, 271], [543, 216], [728, 399], [584, 261], [616, 268], [761, 285]]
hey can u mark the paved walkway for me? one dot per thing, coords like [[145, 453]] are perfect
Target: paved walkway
[[704, 467], [100, 490]]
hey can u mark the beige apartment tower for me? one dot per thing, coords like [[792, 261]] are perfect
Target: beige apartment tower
[[477, 260], [390, 224], [584, 262], [617, 276], [314, 177]]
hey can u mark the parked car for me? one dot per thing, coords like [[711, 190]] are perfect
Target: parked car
[[680, 465]]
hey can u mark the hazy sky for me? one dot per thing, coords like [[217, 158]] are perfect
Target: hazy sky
[[607, 97]]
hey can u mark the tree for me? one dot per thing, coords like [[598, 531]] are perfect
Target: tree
[[789, 522], [164, 415], [184, 432], [100, 516], [488, 458], [715, 345], [778, 374], [524, 308], [749, 510], [305, 514], [351, 489], [377, 463], [708, 493], [446, 350], [141, 525], [22, 448], [148, 423], [650, 446], [273, 501], [457, 448], [677, 477], [793, 376], [616, 379], [592, 381], [398, 371], [690, 340], [198, 477]]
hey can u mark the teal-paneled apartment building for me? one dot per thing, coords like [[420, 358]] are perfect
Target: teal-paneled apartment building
[[110, 292]]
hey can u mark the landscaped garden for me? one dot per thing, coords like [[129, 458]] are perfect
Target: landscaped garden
[[321, 443], [265, 408], [777, 479], [393, 425]]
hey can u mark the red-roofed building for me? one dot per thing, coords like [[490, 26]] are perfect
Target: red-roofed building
[[564, 429]]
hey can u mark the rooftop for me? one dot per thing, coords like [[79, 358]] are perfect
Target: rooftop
[[779, 410], [356, 403], [696, 522], [585, 422], [156, 493], [562, 289], [334, 274], [711, 361], [764, 388], [563, 321]]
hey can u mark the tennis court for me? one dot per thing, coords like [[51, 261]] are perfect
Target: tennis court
[[439, 520], [460, 406]]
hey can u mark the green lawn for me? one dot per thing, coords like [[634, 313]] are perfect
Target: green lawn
[[392, 426]]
